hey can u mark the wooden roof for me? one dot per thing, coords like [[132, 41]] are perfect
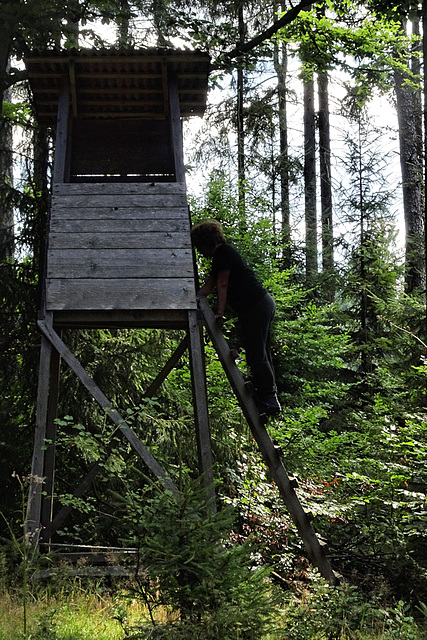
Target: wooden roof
[[109, 83]]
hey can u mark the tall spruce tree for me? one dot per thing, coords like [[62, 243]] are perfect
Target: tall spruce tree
[[366, 201]]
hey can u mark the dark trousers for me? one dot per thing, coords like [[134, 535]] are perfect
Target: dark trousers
[[255, 327]]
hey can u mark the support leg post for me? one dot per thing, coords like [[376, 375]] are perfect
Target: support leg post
[[50, 452], [201, 414], [33, 519]]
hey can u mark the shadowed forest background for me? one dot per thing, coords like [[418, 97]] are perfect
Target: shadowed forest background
[[312, 156]]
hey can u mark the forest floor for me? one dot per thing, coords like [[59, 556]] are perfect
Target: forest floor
[[79, 616], [89, 614]]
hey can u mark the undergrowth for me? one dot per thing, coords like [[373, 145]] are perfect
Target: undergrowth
[[82, 616], [314, 611]]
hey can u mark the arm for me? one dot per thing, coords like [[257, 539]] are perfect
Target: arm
[[222, 285], [207, 288]]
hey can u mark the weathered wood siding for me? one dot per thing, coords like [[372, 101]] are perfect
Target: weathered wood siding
[[115, 246]]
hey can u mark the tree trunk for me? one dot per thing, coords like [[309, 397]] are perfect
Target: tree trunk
[[424, 14], [425, 142], [281, 68], [416, 70], [5, 43], [240, 119], [40, 185], [365, 358], [6, 184], [310, 181], [123, 26], [325, 176], [411, 169]]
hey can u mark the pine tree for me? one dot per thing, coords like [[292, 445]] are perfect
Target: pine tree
[[367, 203]]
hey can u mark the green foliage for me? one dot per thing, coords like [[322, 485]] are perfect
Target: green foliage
[[19, 349], [337, 613], [17, 113], [352, 395], [72, 614], [211, 587], [21, 546], [263, 518], [252, 235], [368, 47], [354, 422]]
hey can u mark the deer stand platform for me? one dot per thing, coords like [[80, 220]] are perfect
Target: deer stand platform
[[119, 249]]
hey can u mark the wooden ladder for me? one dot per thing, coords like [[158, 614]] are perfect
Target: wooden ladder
[[285, 485]]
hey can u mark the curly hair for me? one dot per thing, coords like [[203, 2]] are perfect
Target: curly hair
[[208, 233]]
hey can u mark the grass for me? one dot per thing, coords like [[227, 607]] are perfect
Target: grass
[[78, 613], [64, 617]]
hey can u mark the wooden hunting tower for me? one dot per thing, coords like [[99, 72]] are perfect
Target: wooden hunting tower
[[118, 240], [119, 248]]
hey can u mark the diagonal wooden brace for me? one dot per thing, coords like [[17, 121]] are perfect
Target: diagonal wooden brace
[[171, 363], [105, 404]]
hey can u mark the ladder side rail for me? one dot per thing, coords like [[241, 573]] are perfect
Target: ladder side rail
[[200, 401], [251, 413]]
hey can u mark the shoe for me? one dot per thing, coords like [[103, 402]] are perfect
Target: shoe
[[249, 386], [270, 406], [278, 449]]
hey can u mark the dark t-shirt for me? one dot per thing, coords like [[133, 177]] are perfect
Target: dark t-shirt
[[244, 290]]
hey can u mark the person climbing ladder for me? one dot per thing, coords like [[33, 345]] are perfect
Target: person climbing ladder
[[237, 284]]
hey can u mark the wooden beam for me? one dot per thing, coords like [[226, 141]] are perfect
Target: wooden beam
[[171, 363], [107, 59], [120, 293], [200, 399], [72, 74], [60, 157], [136, 226], [80, 200], [259, 432], [176, 127], [128, 263], [112, 212], [96, 240], [62, 515], [92, 572], [33, 518], [135, 188], [50, 451], [105, 404], [116, 319]]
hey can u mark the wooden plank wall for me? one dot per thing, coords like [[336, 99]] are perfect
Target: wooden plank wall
[[115, 246]]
